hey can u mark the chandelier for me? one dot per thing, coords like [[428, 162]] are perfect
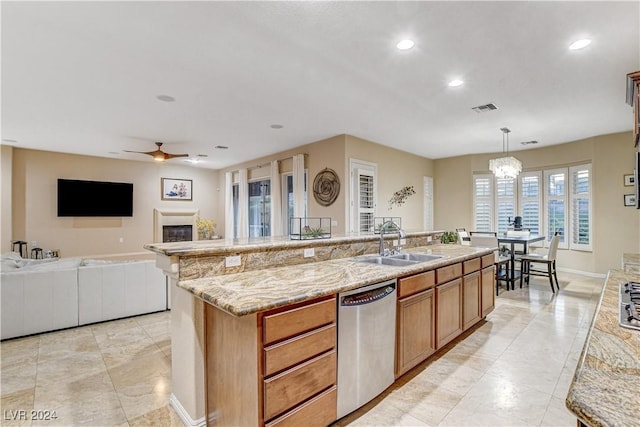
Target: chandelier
[[508, 166]]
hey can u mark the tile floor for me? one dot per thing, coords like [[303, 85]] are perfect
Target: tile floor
[[514, 370]]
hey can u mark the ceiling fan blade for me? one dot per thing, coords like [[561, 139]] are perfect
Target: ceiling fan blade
[[171, 156]]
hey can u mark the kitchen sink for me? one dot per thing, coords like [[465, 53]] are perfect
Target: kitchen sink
[[387, 260], [416, 257], [399, 260]]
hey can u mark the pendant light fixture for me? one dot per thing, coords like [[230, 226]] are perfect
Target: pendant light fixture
[[508, 166]]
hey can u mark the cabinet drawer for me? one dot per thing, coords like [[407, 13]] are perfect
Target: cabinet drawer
[[286, 390], [298, 349], [488, 260], [471, 265], [318, 412], [286, 324], [450, 272], [414, 284]]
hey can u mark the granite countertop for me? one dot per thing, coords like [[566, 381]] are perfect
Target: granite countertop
[[631, 263], [605, 390], [250, 292], [223, 247]]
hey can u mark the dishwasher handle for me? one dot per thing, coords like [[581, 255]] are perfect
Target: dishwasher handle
[[367, 297]]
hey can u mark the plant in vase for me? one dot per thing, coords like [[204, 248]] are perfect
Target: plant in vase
[[449, 237], [206, 228]]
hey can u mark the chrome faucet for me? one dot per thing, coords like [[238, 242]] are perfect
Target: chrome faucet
[[401, 235]]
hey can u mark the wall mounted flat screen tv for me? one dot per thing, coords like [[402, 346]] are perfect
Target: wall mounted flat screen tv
[[94, 198]]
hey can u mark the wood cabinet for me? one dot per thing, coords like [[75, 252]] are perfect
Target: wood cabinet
[[471, 312], [275, 368], [448, 311], [633, 99], [415, 338], [487, 293], [299, 362]]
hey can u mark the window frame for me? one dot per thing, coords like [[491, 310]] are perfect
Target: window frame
[[522, 199], [487, 199], [572, 198]]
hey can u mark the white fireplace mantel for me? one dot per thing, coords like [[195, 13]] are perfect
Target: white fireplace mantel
[[162, 217]]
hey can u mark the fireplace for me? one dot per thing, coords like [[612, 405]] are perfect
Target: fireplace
[[177, 233], [174, 217]]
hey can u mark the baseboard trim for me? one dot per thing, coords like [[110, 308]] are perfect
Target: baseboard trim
[[583, 273], [184, 415]]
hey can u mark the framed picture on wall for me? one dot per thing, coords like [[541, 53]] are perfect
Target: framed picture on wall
[[629, 180], [629, 199], [176, 189]]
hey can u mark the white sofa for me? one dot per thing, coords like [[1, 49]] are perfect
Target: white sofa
[[115, 290], [55, 294]]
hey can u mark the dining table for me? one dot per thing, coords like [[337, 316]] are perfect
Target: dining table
[[513, 240]]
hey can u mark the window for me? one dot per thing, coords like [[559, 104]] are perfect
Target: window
[[287, 199], [556, 200], [505, 202], [530, 198], [483, 202], [428, 203], [363, 195], [580, 183], [555, 204], [260, 208]]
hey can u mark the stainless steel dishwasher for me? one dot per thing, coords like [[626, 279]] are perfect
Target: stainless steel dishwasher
[[366, 344]]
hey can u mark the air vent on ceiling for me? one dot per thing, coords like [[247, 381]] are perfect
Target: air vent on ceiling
[[529, 142], [485, 108]]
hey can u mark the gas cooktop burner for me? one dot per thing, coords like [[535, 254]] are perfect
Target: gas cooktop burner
[[629, 315]]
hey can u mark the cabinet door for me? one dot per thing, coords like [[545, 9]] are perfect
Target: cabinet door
[[416, 330], [448, 311], [488, 299], [470, 300]]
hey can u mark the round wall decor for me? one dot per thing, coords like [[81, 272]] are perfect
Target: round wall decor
[[326, 187]]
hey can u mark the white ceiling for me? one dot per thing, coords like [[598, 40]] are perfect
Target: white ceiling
[[83, 77]]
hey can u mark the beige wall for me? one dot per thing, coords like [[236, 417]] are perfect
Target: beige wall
[[396, 169], [34, 185], [616, 228], [327, 153], [6, 160]]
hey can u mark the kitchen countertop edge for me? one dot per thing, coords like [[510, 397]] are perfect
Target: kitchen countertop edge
[[602, 392], [246, 293]]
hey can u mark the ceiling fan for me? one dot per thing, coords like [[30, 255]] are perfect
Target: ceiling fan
[[159, 155]]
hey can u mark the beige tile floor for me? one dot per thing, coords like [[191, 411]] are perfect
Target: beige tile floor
[[513, 370]]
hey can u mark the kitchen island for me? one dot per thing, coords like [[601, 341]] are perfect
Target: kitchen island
[[223, 317], [604, 391]]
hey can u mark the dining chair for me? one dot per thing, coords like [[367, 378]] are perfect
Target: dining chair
[[548, 259], [463, 236], [488, 241]]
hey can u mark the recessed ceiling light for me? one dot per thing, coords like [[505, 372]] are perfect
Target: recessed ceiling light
[[8, 140], [579, 44], [203, 155], [166, 98], [405, 44], [529, 142], [115, 153], [276, 126], [221, 147], [455, 83]]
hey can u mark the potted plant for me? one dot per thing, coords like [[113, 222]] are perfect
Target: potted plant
[[449, 237]]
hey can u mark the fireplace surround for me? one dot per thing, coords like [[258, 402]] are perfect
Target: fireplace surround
[[173, 217]]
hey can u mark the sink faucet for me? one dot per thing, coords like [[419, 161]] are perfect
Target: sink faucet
[[401, 235]]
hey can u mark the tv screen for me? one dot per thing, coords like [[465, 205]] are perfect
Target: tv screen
[[94, 198]]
